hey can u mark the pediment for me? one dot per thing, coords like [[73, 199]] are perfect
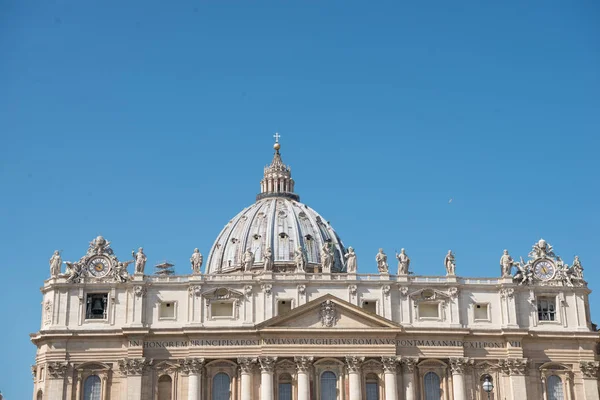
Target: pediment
[[429, 294], [222, 293], [328, 312]]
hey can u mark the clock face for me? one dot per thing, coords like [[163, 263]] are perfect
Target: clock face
[[544, 270], [98, 267]]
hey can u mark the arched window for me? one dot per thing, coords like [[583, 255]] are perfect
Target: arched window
[[40, 395], [432, 386], [92, 388], [285, 387], [165, 384], [555, 388], [221, 386], [372, 386], [328, 386]]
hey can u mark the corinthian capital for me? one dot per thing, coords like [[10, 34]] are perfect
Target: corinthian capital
[[354, 363], [303, 363], [192, 365], [246, 364], [267, 364], [513, 366], [390, 363], [409, 363], [133, 366], [57, 369], [457, 365], [589, 369]]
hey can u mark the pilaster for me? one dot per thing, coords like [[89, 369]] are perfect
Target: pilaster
[[408, 375], [133, 368], [589, 372]]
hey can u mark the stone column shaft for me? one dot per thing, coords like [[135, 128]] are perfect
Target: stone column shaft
[[194, 386], [408, 375], [457, 365], [246, 365], [354, 382], [267, 365], [303, 364]]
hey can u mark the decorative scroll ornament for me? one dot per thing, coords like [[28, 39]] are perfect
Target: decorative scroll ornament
[[458, 365], [589, 369], [246, 364], [140, 291], [266, 287], [507, 293], [57, 369], [513, 366], [192, 365], [353, 289], [453, 292], [267, 364], [328, 314], [195, 290], [545, 268], [403, 291], [301, 289], [303, 363], [133, 366], [409, 363], [354, 363], [386, 290], [248, 290], [390, 364]]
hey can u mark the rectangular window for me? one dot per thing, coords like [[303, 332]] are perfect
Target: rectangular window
[[284, 307], [285, 391], [546, 308], [429, 310], [166, 310], [221, 309], [370, 306], [96, 306], [481, 312]]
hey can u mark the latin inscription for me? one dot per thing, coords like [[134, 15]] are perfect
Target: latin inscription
[[322, 342]]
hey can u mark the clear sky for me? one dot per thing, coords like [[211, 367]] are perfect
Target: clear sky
[[149, 122]]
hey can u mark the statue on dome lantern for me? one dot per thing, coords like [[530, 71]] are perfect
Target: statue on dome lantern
[[55, 262], [350, 257], [450, 263], [196, 261], [381, 259], [403, 262]]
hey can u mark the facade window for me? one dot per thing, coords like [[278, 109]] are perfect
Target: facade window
[[481, 312], [429, 310], [221, 309], [166, 310], [285, 387], [92, 388], [372, 387], [546, 309], [96, 306], [370, 306], [284, 307], [221, 386], [328, 386], [432, 386], [165, 384], [555, 388]]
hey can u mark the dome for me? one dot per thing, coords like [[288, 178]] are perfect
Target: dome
[[279, 222]]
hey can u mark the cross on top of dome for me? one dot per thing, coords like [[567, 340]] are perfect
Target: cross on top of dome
[[277, 179]]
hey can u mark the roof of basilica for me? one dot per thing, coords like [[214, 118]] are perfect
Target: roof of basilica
[[276, 229]]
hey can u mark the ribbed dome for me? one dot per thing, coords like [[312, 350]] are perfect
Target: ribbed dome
[[277, 221]]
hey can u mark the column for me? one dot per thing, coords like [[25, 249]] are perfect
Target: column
[[389, 377], [408, 377], [193, 368], [133, 368], [105, 389], [457, 366], [589, 371], [246, 367], [353, 363], [267, 365], [56, 372], [303, 365], [515, 368], [78, 386]]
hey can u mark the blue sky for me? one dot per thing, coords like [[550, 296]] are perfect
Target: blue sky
[[150, 122]]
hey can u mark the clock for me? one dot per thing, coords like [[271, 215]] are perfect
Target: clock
[[544, 270], [98, 267]]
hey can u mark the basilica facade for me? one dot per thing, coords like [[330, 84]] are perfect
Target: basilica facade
[[280, 311]]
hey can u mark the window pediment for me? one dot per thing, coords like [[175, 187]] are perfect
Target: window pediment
[[429, 294], [222, 293]]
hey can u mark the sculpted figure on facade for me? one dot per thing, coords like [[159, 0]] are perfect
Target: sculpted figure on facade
[[524, 274], [248, 260], [450, 263], [541, 250], [381, 258], [196, 261], [268, 259], [577, 269], [350, 257], [140, 260], [99, 246], [120, 272], [328, 313], [74, 271], [55, 262], [326, 258], [506, 264], [300, 259], [403, 262]]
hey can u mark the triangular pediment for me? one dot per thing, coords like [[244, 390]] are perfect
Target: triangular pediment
[[328, 312]]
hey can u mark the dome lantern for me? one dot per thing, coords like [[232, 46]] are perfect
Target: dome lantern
[[277, 180]]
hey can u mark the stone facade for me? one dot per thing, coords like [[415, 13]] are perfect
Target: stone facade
[[288, 333]]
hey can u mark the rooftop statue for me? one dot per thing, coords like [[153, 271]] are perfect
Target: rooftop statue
[[381, 258], [248, 260], [196, 261], [450, 264], [326, 258], [577, 269], [73, 272], [506, 264], [403, 262], [120, 273], [300, 259], [140, 260], [268, 259], [55, 262], [350, 257]]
